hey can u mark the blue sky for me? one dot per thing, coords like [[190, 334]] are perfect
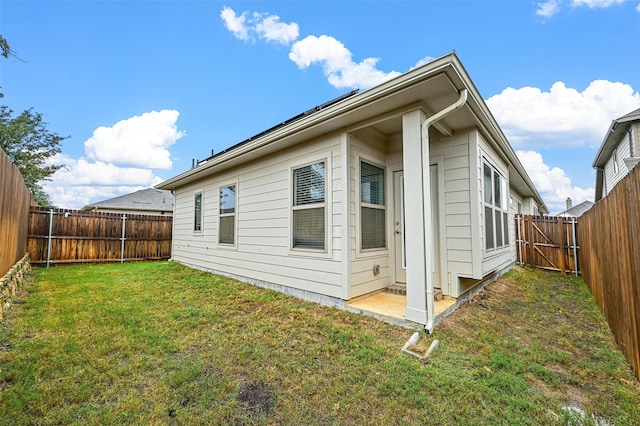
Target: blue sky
[[144, 87]]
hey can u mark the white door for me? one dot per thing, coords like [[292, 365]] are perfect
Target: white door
[[399, 227]]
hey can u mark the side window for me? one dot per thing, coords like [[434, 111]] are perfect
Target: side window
[[372, 207], [197, 212], [489, 241], [227, 215], [309, 207], [496, 205]]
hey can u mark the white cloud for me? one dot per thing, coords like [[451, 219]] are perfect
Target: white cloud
[[235, 23], [337, 63], [264, 26], [552, 182], [271, 29], [137, 141], [594, 4], [81, 182], [83, 172], [336, 60], [423, 61], [140, 141], [562, 116], [548, 8]]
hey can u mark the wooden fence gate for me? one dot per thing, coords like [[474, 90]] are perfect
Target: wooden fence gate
[[548, 242]]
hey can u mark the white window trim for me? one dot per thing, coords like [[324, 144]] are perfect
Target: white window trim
[[199, 232], [505, 238], [234, 214], [328, 213], [373, 252]]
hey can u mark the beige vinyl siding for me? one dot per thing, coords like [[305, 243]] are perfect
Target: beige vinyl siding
[[513, 210], [456, 229], [529, 206], [262, 251], [611, 175], [635, 139], [362, 278]]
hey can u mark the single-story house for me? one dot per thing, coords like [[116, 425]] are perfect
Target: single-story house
[[411, 182], [148, 201], [618, 154]]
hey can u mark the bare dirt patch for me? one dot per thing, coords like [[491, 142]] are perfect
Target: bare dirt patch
[[257, 397]]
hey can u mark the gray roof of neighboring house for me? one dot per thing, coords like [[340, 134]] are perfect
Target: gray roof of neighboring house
[[616, 131], [150, 199], [578, 210]]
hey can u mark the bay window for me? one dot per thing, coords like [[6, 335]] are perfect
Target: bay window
[[496, 214]]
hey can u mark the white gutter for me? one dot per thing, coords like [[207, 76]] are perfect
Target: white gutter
[[426, 185]]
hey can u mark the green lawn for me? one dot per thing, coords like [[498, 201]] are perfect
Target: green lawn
[[158, 343]]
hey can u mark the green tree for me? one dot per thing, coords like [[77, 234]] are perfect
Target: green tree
[[5, 49], [4, 46], [29, 144]]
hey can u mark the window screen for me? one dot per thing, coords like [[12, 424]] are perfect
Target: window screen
[[308, 228], [197, 212], [372, 207], [308, 184], [227, 218], [488, 197], [308, 218], [488, 227], [371, 184]]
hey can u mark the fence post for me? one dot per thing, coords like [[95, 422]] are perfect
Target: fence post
[[50, 231], [124, 219], [519, 218], [575, 245], [562, 261]]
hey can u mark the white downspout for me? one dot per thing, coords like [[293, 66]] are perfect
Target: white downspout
[[427, 204]]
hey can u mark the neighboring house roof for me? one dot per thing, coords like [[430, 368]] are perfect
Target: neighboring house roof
[[619, 127], [432, 86], [577, 211], [145, 200]]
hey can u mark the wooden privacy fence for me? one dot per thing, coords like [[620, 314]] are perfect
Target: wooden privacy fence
[[609, 235], [15, 200], [72, 236], [548, 242]]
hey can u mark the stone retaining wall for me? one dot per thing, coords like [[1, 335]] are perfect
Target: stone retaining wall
[[10, 281]]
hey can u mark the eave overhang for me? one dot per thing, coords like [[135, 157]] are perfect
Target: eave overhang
[[618, 128]]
